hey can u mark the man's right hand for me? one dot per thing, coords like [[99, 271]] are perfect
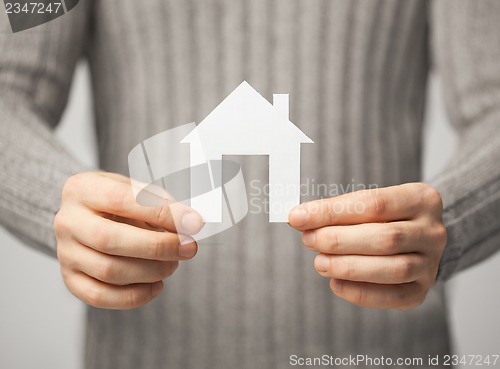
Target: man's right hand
[[113, 252]]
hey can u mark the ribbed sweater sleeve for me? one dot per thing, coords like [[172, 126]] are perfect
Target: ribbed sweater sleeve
[[466, 49], [36, 68]]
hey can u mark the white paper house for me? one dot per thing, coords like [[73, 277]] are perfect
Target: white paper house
[[245, 123]]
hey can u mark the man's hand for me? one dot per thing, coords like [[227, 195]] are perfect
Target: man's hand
[[380, 248], [113, 252]]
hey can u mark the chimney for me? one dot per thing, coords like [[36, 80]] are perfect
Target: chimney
[[281, 105]]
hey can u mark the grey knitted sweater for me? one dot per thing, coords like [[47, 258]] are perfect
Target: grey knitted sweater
[[356, 74]]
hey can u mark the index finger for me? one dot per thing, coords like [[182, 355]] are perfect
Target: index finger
[[365, 206], [111, 196]]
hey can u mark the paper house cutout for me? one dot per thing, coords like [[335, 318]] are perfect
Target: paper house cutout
[[245, 123]]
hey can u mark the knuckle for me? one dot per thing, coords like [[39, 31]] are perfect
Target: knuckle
[[375, 204], [157, 246], [135, 297], [332, 215], [392, 237], [350, 268], [61, 225], [361, 296], [66, 276], [431, 198], [105, 270], [401, 298], [61, 253], [163, 213], [72, 186], [404, 269], [66, 258], [118, 199], [441, 235], [101, 237], [334, 241], [94, 296]]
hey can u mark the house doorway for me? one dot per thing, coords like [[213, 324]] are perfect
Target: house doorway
[[255, 169]]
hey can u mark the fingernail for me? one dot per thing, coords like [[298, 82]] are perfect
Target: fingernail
[[187, 250], [156, 288], [308, 238], [336, 285], [322, 263], [298, 217], [191, 222]]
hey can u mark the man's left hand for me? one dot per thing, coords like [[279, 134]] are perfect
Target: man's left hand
[[381, 247]]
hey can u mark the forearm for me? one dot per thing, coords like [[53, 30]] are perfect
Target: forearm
[[36, 69], [470, 188], [466, 49], [33, 169]]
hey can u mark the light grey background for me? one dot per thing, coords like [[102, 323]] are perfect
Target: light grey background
[[42, 325]]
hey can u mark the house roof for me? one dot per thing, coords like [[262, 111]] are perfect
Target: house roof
[[245, 96]]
